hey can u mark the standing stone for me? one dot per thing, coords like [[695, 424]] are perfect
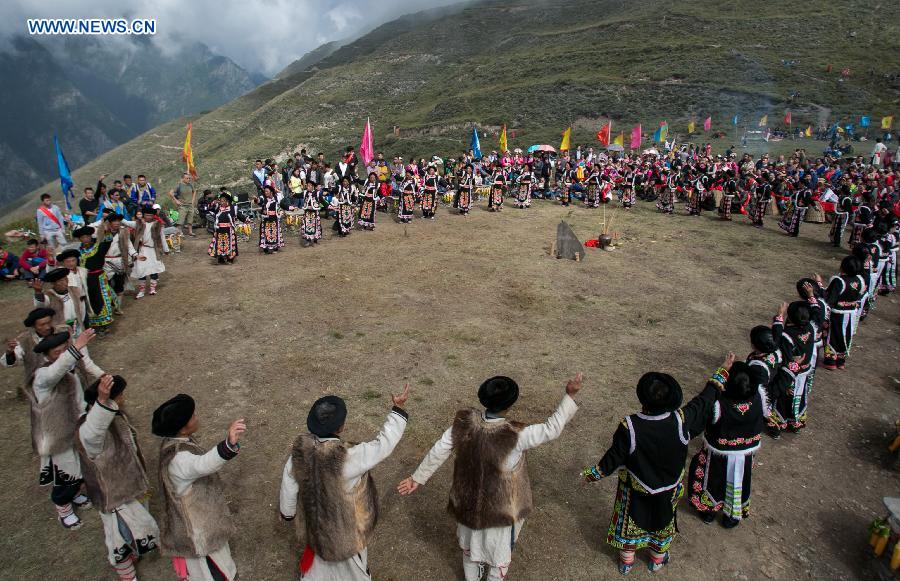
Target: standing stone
[[567, 244]]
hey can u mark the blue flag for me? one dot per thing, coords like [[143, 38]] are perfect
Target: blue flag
[[863, 121], [65, 176], [476, 145], [734, 120]]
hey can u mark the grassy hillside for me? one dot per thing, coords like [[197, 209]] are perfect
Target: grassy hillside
[[539, 66]]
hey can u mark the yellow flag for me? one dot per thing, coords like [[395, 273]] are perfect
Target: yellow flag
[[764, 120], [187, 153], [690, 127], [620, 139], [808, 131], [886, 122], [567, 136], [503, 147]]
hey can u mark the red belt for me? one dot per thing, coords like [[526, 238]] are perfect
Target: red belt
[[100, 271]]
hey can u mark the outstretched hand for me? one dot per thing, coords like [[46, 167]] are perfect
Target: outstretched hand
[[399, 400], [235, 430], [82, 340], [782, 310], [808, 290], [573, 386], [729, 360], [103, 389], [407, 486]]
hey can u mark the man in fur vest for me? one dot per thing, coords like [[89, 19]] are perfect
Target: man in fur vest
[[115, 475], [67, 302], [56, 396], [491, 495], [195, 525], [38, 324], [120, 257], [332, 482], [71, 260]]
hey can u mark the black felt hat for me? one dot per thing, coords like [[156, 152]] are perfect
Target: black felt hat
[[118, 386], [51, 341], [659, 393], [37, 314], [326, 416], [170, 417], [56, 274], [83, 231], [498, 393], [70, 253]]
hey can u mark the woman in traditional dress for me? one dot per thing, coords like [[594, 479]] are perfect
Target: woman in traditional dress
[[567, 179], [795, 212], [498, 189], [369, 202], [720, 472], [407, 203], [648, 451], [466, 188], [151, 245], [593, 183], [762, 196], [311, 222], [429, 193], [271, 236], [93, 258], [342, 205], [525, 183], [224, 246]]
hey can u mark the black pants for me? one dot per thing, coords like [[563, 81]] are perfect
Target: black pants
[[62, 494], [118, 282]]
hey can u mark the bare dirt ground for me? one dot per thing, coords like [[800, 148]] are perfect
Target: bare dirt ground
[[444, 305]]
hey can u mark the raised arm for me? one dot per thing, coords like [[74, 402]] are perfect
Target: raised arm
[[537, 434], [186, 467], [614, 457], [93, 431]]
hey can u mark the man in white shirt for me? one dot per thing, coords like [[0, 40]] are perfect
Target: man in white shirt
[[878, 152], [331, 479], [490, 495]]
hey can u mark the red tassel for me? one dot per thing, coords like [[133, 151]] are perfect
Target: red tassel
[[306, 561]]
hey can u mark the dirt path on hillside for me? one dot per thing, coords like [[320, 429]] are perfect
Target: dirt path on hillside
[[444, 305]]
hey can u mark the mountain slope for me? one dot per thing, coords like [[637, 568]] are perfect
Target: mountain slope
[[97, 95], [540, 66]]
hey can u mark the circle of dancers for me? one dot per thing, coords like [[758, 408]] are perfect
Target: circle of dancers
[[90, 453]]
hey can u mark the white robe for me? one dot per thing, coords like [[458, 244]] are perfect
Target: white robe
[[184, 469], [493, 546], [132, 514], [153, 264], [65, 464], [360, 459]]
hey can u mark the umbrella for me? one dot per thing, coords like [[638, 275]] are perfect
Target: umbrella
[[651, 151], [537, 147], [615, 147], [517, 150]]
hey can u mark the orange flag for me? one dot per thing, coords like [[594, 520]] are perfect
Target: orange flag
[[187, 154], [604, 133]]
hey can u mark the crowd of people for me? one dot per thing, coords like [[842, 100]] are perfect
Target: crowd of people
[[91, 454]]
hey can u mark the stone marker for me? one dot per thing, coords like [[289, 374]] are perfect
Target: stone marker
[[567, 244]]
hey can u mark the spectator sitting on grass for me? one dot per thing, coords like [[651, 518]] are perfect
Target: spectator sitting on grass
[[9, 265], [34, 260]]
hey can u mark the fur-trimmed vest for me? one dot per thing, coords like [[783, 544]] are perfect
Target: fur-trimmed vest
[[338, 524], [156, 229], [119, 474], [483, 495], [123, 237], [199, 522], [54, 301], [55, 420]]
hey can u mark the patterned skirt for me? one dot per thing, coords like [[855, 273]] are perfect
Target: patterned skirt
[[100, 298], [271, 236], [624, 534], [464, 202], [496, 199], [224, 244], [345, 218], [367, 213], [721, 482], [312, 225]]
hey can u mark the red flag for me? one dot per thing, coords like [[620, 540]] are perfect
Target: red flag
[[707, 125], [636, 137], [603, 134], [787, 117]]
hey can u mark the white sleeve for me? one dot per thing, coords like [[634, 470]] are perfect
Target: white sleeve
[[537, 434], [46, 378], [435, 458], [186, 467], [363, 457], [93, 370], [165, 242], [18, 355], [93, 431], [289, 490]]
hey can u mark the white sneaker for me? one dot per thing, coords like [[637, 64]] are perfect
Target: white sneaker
[[83, 502], [140, 295], [71, 522]]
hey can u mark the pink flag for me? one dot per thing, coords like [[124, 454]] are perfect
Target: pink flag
[[707, 125], [366, 152], [636, 137]]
